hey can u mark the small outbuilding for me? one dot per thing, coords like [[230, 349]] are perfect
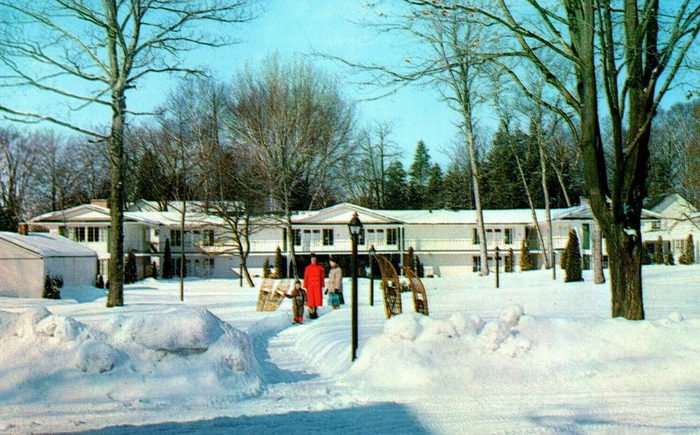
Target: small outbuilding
[[26, 259]]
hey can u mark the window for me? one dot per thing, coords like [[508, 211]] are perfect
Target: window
[[475, 237], [327, 237], [361, 237], [392, 236], [508, 232], [656, 225], [208, 237], [93, 234], [476, 263], [586, 242], [79, 234], [296, 237], [176, 236]]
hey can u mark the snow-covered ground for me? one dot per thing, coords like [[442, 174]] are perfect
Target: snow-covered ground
[[536, 355]]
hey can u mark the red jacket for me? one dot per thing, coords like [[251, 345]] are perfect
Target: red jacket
[[314, 277]]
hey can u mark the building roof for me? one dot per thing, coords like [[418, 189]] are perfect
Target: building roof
[[491, 217], [47, 245]]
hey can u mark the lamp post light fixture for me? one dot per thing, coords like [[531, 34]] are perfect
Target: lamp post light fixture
[[372, 251], [355, 226]]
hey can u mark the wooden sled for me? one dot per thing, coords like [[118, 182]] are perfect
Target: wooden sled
[[420, 299], [391, 288], [277, 296], [264, 293]]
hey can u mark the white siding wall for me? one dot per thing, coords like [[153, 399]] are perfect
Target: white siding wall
[[74, 270], [21, 272]]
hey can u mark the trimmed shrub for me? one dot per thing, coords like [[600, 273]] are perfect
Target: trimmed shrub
[[509, 260], [130, 268], [668, 259], [266, 269], [420, 270], [688, 255], [280, 266], [167, 266], [100, 282], [524, 261], [573, 259], [659, 251], [51, 288]]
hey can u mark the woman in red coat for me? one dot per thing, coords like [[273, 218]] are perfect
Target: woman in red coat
[[314, 277]]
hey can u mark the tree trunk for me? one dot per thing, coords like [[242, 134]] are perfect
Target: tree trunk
[[535, 222], [597, 250], [483, 253], [625, 263], [244, 270], [115, 297], [549, 248], [292, 252], [182, 249]]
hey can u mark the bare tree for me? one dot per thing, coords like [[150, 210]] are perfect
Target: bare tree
[[449, 55], [631, 53], [18, 157], [92, 53], [376, 152], [298, 130]]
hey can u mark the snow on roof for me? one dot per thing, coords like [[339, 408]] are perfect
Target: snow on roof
[[512, 216], [47, 245]]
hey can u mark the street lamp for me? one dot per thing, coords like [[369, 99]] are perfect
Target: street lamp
[[355, 226], [372, 251]]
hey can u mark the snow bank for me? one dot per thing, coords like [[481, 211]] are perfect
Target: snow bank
[[517, 353], [183, 354]]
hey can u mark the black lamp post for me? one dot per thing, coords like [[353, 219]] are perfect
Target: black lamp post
[[372, 251], [355, 226]]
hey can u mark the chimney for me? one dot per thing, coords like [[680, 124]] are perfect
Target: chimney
[[99, 202], [23, 229]]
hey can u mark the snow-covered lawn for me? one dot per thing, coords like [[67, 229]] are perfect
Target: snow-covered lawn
[[536, 355]]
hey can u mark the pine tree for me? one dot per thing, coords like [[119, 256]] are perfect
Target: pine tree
[[418, 177], [266, 268], [524, 261], [167, 266], [130, 268], [436, 188], [154, 270], [395, 189], [573, 259], [659, 251], [100, 282], [279, 264], [457, 193]]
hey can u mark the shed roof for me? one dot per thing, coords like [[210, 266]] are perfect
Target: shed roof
[[47, 245]]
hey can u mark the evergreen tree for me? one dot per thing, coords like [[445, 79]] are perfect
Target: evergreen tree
[[266, 268], [524, 261], [573, 259], [689, 250], [436, 188], [280, 266], [418, 177], [659, 251], [130, 268], [668, 259], [154, 270], [510, 260], [411, 259], [50, 289], [8, 221], [457, 191], [167, 266], [100, 282], [395, 189], [420, 270]]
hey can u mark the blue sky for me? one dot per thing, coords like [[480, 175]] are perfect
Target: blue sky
[[298, 28]]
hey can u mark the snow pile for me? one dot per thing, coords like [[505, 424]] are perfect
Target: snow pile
[[181, 354], [519, 353]]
